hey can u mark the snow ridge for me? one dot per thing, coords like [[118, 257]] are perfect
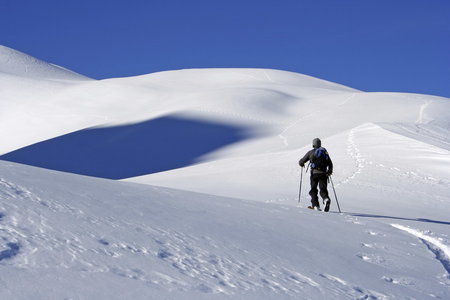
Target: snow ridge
[[20, 64]]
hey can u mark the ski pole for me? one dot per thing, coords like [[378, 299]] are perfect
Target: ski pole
[[337, 202], [301, 179]]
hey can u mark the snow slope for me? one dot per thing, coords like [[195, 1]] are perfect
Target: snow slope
[[218, 214], [68, 236], [17, 63]]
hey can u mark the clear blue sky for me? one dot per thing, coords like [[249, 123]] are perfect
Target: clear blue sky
[[372, 45]]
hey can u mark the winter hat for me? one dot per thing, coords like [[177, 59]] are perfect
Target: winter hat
[[316, 143]]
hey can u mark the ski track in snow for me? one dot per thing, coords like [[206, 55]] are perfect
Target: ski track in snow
[[423, 107], [378, 251], [361, 162], [439, 249], [354, 152], [435, 136], [348, 99], [282, 134], [297, 121]]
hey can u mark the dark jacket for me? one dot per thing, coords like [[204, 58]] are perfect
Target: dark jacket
[[309, 157]]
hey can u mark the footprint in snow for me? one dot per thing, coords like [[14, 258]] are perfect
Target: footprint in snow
[[371, 258], [354, 220], [343, 287], [103, 242], [12, 250], [374, 233], [399, 281], [164, 254]]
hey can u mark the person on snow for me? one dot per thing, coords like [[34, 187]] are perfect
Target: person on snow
[[321, 167]]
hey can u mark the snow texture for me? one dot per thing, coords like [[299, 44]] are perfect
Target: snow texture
[[207, 207]]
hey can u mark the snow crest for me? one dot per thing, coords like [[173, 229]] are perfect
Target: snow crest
[[20, 64]]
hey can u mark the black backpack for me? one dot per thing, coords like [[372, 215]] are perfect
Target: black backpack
[[320, 159]]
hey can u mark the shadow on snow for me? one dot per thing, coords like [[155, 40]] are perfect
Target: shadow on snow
[[130, 150], [397, 218]]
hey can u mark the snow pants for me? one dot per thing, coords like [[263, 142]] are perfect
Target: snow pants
[[321, 180]]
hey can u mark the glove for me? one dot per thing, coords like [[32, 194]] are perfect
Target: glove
[[329, 173], [302, 165]]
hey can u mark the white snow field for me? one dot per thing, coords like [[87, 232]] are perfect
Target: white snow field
[[185, 184]]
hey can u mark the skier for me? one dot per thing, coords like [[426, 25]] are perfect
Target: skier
[[321, 167]]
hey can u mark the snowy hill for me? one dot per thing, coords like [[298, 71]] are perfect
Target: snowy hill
[[217, 215], [17, 63]]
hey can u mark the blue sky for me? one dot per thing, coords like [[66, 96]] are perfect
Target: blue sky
[[372, 45]]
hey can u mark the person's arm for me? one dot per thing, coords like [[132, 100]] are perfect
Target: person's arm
[[304, 159]]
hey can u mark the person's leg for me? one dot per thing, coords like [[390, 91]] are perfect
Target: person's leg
[[314, 191], [323, 181]]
